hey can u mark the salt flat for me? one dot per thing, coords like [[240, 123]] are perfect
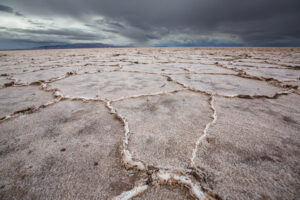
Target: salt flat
[[150, 123]]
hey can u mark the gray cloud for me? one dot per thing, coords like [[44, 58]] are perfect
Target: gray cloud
[[7, 9], [19, 14], [253, 22], [109, 22], [55, 35]]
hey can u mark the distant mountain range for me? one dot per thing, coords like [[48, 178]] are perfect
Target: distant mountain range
[[79, 45]]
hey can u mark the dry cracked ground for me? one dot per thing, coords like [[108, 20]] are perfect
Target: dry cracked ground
[[150, 123]]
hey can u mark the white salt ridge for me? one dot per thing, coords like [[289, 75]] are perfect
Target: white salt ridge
[[283, 92], [132, 193], [58, 94], [165, 176], [126, 155], [44, 86], [147, 95], [214, 117]]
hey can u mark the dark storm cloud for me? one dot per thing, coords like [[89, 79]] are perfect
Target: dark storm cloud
[[110, 31], [59, 32], [46, 33], [19, 14], [110, 23], [8, 9], [252, 22]]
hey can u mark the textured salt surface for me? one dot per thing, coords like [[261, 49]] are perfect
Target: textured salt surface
[[16, 99], [253, 145], [150, 123], [226, 85], [112, 85], [159, 143]]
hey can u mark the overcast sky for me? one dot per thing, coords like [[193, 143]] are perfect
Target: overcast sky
[[29, 23]]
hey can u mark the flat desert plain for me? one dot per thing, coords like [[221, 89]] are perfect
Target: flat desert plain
[[150, 123]]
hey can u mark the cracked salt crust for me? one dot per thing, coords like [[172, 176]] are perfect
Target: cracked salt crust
[[214, 119], [159, 143], [180, 106], [153, 68], [126, 155], [33, 150], [162, 192], [14, 99], [112, 85], [203, 68], [278, 74], [132, 193], [226, 85], [3, 80], [43, 75], [165, 176], [257, 141]]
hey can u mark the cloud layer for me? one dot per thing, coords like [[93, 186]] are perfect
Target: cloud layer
[[138, 22]]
